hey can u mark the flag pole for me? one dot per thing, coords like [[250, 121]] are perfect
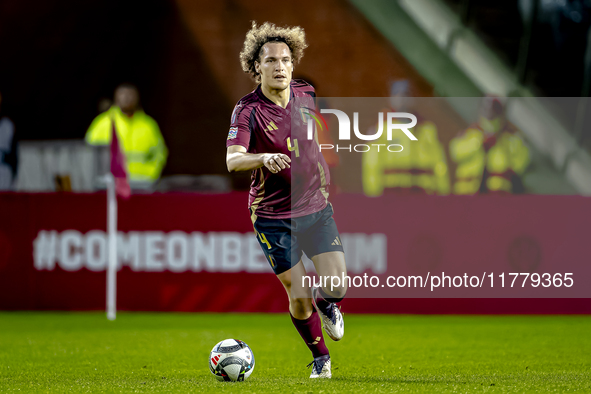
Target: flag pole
[[112, 234], [117, 184]]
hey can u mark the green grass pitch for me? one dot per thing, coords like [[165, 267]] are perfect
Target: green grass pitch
[[168, 353]]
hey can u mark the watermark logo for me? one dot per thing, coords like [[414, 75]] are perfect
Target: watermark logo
[[388, 122]]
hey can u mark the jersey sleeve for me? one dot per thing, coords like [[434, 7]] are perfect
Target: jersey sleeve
[[239, 133]]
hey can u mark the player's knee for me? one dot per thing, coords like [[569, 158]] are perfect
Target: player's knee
[[339, 294], [335, 294], [302, 301], [339, 291], [301, 305]]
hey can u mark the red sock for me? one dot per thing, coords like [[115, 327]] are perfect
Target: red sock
[[310, 330]]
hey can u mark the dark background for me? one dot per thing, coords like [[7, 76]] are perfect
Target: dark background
[[60, 57]]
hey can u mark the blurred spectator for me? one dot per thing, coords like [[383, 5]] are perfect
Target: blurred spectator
[[8, 151], [420, 167], [559, 47], [491, 156], [139, 136]]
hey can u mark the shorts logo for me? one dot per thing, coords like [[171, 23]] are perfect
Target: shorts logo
[[232, 133]]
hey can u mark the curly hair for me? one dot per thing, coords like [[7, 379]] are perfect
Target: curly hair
[[294, 37]]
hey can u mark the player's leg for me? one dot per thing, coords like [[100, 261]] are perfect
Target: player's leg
[[305, 319], [281, 248], [332, 265], [323, 243], [300, 305]]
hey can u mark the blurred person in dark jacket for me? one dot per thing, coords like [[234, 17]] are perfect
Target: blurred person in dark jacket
[[8, 151]]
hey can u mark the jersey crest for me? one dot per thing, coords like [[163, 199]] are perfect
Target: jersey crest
[[305, 113]]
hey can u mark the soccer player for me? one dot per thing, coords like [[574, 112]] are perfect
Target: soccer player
[[288, 196]]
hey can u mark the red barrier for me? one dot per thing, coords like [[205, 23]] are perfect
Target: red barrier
[[190, 252]]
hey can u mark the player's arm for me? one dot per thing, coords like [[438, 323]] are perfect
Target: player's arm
[[237, 159]]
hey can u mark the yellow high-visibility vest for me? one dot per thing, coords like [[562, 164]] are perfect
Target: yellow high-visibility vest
[[421, 164], [509, 155], [139, 137], [466, 149]]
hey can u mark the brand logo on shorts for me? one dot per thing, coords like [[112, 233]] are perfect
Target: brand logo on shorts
[[337, 241]]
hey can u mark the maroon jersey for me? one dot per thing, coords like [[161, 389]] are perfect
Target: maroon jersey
[[262, 126]]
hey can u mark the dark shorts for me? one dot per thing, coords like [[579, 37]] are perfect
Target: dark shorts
[[284, 240]]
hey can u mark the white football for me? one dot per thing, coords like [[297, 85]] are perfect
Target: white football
[[231, 360]]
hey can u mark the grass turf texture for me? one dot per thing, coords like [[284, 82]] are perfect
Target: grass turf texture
[[139, 352]]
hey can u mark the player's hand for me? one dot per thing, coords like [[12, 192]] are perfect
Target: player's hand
[[276, 162]]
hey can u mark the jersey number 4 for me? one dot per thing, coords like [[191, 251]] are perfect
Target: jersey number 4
[[263, 239], [294, 147]]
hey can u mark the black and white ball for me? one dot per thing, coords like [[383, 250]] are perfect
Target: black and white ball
[[231, 360]]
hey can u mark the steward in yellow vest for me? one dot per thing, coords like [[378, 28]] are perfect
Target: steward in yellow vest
[[420, 167], [139, 135], [490, 157]]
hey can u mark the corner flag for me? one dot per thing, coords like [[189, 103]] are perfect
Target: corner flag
[[117, 184], [118, 166]]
